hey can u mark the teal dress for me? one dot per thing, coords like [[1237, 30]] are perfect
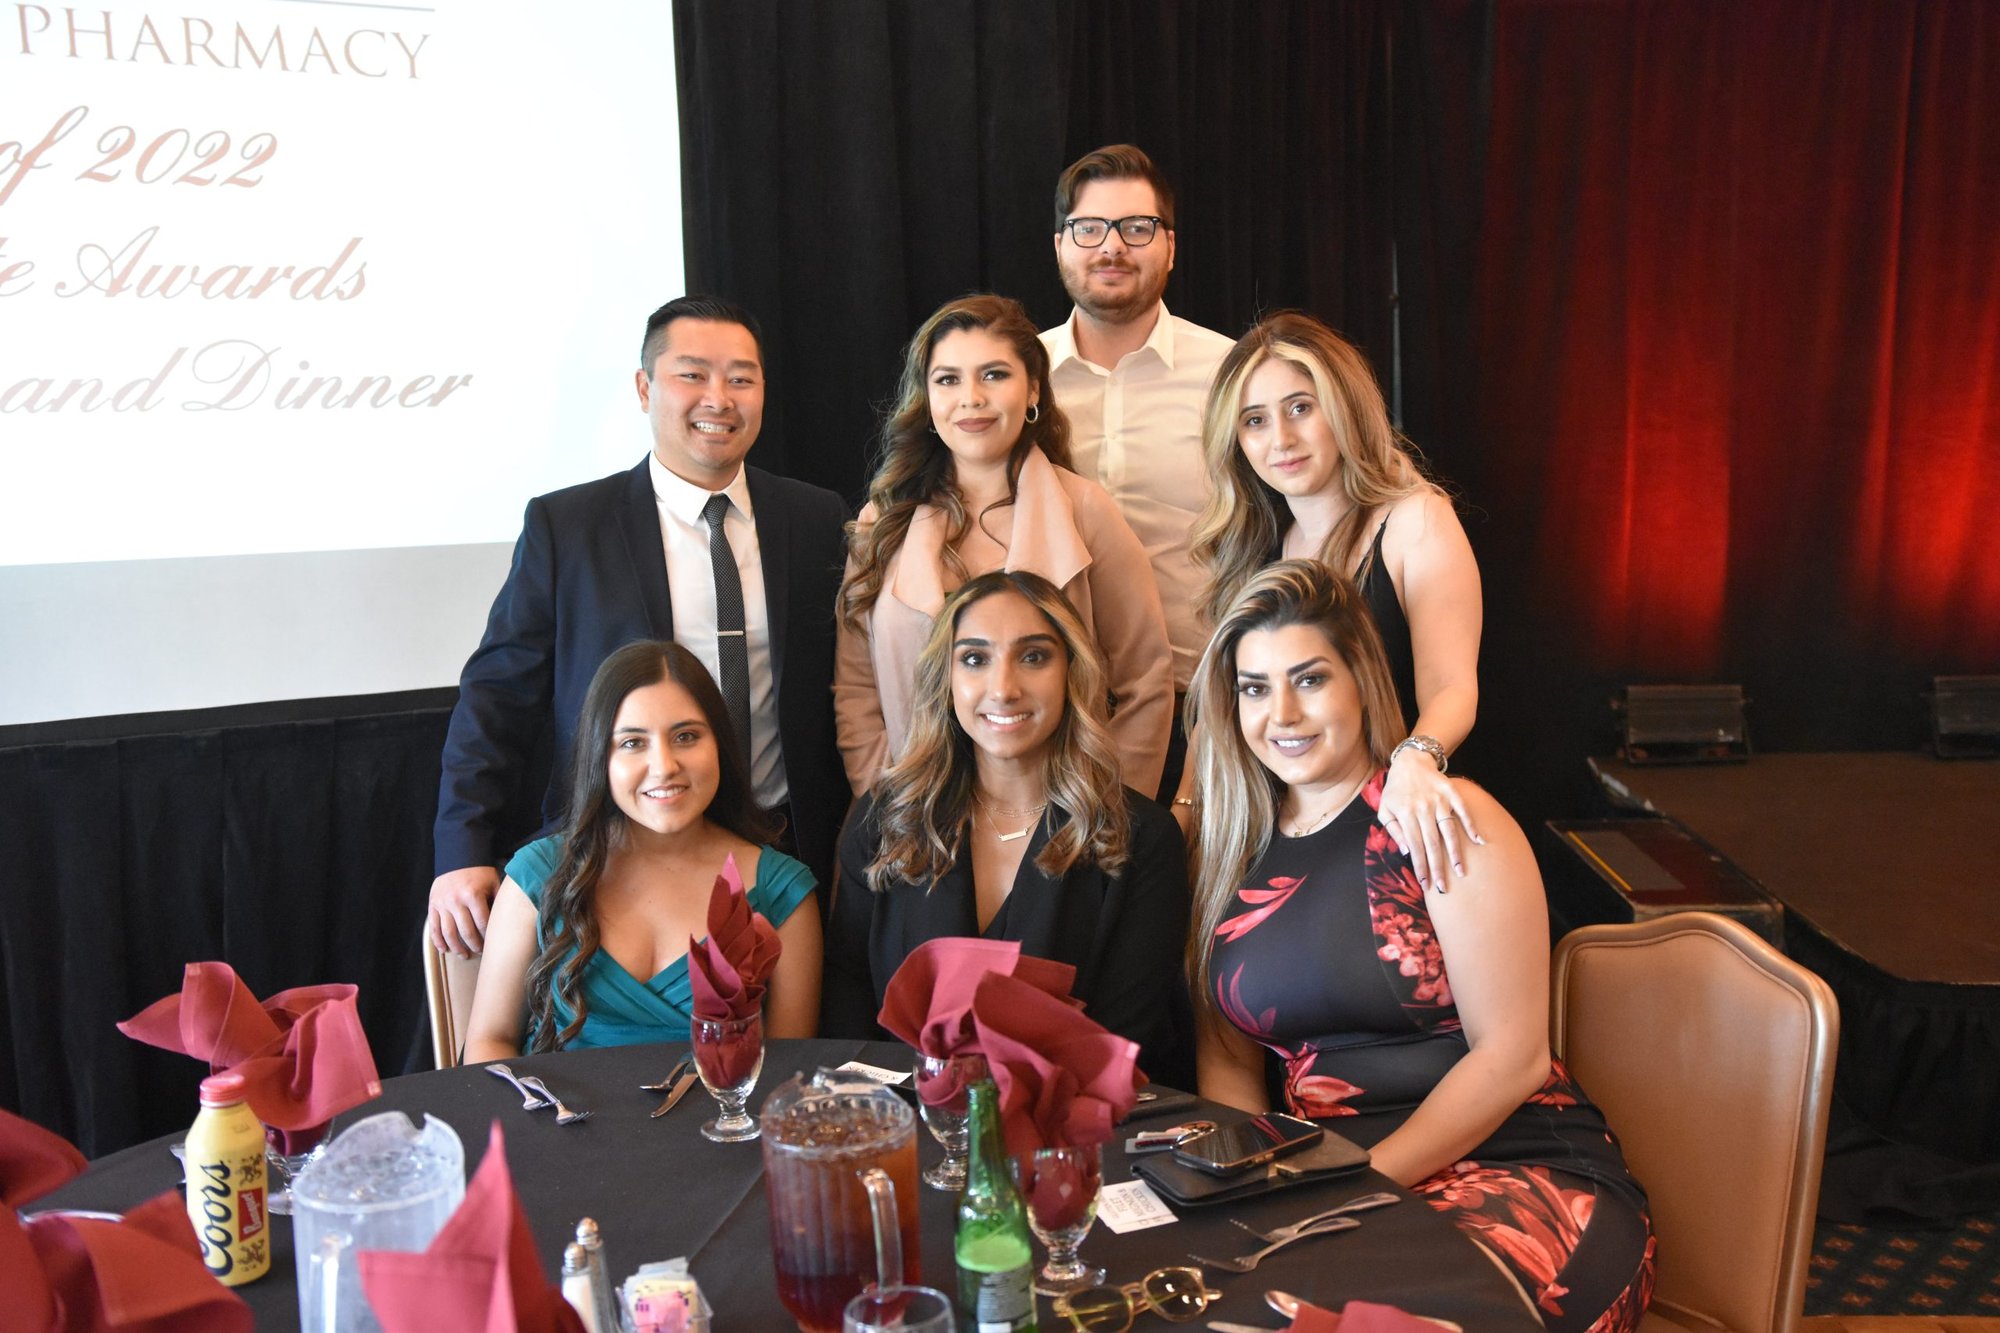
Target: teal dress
[[623, 1010]]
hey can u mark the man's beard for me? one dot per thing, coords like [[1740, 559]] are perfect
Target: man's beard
[[1138, 300]]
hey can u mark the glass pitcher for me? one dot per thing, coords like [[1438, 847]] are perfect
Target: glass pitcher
[[822, 1138], [380, 1185]]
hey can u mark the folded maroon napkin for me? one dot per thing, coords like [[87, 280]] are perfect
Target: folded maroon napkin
[[1358, 1317], [63, 1271], [928, 1003], [728, 970], [727, 974], [480, 1271], [1064, 1081], [33, 1160], [302, 1053]]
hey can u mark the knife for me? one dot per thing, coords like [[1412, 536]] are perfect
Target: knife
[[688, 1080]]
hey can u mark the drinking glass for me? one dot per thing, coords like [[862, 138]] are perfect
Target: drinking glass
[[287, 1153], [899, 1310], [729, 1055], [820, 1139], [1060, 1186], [941, 1085]]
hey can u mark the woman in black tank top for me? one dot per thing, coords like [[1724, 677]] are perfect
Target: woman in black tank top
[[1307, 465]]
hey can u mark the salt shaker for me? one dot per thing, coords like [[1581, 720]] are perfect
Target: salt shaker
[[577, 1287], [592, 1241]]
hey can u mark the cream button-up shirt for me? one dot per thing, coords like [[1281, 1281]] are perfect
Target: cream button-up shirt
[[1136, 430]]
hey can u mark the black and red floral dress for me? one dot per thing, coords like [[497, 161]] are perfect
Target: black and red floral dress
[[1332, 963]]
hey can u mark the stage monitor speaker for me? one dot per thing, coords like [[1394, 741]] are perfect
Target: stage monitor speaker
[[1965, 716], [1683, 724]]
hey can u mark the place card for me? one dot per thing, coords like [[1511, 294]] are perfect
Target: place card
[[893, 1077], [1132, 1206]]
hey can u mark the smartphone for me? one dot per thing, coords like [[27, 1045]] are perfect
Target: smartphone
[[1247, 1143]]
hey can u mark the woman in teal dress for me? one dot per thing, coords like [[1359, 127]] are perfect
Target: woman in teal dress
[[588, 941]]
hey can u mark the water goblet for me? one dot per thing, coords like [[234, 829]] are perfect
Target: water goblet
[[286, 1153], [1060, 1187], [941, 1085], [729, 1055]]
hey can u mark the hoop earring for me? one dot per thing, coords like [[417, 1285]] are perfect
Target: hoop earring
[[1034, 413]]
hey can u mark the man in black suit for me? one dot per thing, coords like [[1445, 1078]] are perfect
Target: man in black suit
[[650, 554]]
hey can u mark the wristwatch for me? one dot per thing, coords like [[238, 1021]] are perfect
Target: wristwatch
[[1429, 745]]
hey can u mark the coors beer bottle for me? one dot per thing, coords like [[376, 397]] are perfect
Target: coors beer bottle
[[225, 1183]]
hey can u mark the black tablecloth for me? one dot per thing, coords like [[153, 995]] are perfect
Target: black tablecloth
[[659, 1190]]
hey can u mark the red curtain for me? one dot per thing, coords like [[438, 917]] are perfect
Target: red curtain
[[1739, 316]]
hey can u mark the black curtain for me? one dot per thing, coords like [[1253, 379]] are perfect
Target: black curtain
[[848, 168], [295, 852]]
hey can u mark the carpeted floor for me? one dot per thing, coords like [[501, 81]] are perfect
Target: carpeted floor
[[1878, 1270]]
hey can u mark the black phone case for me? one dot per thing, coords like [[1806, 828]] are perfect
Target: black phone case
[[1331, 1157]]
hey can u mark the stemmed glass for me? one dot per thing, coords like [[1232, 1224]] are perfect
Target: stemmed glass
[[284, 1167], [941, 1085], [1060, 1187], [729, 1055]]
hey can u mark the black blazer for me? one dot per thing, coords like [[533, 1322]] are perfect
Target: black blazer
[[1123, 933], [589, 577]]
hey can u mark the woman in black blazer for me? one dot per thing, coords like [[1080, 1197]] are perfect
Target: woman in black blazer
[[1004, 818]]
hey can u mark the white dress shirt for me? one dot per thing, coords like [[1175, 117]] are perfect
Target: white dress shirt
[[1136, 430], [691, 586]]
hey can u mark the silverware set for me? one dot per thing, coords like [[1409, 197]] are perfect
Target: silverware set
[[1319, 1224], [676, 1084], [535, 1094]]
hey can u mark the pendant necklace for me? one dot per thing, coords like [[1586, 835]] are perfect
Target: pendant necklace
[[1298, 831], [1033, 814]]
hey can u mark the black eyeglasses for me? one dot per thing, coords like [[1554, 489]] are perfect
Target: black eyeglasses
[[1177, 1294], [1139, 229]]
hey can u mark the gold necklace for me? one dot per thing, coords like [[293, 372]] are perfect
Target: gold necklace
[[1298, 831], [1033, 813]]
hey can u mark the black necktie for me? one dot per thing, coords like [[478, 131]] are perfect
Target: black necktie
[[732, 649]]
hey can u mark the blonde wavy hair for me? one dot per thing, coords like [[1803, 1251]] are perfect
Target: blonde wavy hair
[[1244, 518], [1239, 795], [923, 801], [915, 467]]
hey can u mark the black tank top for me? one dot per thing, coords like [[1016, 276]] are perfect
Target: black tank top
[[1378, 590]]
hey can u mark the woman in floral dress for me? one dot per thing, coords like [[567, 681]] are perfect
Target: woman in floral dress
[[1419, 1020]]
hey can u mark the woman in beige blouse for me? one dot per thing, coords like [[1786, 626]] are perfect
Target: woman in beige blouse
[[975, 476]]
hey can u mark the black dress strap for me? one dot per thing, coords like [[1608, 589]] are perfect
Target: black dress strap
[[1378, 590]]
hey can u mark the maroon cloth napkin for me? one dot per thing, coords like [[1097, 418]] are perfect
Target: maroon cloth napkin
[[1358, 1317], [728, 970], [302, 1053], [928, 1003], [63, 1272], [727, 974], [1064, 1080], [480, 1271], [33, 1161]]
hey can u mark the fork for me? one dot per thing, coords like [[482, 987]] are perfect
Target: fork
[[1250, 1261], [564, 1116], [673, 1076], [1360, 1205], [529, 1100]]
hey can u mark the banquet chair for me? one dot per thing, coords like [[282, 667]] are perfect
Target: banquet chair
[[448, 982], [1711, 1054]]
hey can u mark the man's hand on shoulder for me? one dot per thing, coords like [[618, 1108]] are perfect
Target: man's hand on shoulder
[[460, 902]]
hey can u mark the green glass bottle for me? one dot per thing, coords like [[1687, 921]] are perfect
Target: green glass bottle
[[996, 1261]]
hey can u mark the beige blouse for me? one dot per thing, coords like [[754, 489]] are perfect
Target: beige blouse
[[1067, 529]]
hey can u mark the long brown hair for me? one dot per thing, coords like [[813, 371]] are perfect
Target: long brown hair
[[1239, 796], [1244, 518], [924, 800], [915, 467], [593, 828]]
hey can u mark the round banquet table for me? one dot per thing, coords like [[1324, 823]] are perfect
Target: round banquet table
[[659, 1190]]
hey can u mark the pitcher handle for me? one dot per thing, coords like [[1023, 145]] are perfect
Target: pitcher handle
[[888, 1227], [319, 1303]]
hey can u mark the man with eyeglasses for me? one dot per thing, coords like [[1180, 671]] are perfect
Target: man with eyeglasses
[[1132, 378]]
